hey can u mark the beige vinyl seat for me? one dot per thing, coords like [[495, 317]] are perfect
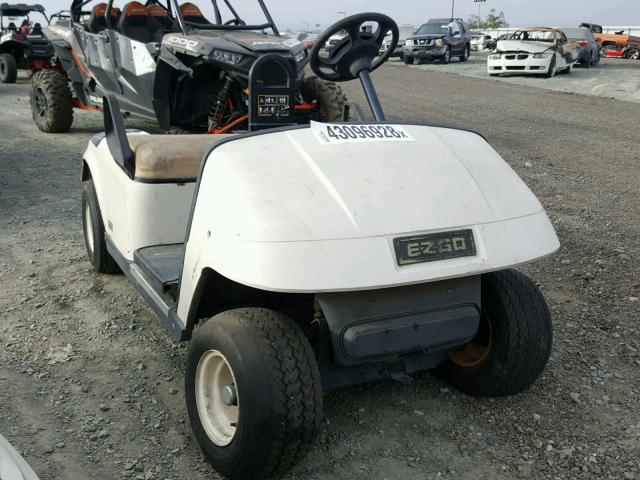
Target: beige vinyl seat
[[165, 158]]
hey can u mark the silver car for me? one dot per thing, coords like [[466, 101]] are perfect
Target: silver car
[[405, 32]]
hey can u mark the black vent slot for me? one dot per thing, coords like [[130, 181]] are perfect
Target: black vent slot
[[274, 75]]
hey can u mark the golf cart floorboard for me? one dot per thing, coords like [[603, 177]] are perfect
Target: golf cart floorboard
[[161, 266]]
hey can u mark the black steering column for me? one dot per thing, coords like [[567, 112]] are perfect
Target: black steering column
[[356, 54]]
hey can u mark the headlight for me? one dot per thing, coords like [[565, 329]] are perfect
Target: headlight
[[439, 42], [543, 55], [226, 57], [408, 43], [495, 56], [301, 56]]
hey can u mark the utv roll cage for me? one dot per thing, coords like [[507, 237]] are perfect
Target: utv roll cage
[[173, 9], [20, 10]]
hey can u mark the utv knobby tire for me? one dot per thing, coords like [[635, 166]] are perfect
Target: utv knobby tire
[[94, 239], [278, 391], [51, 102], [329, 97], [8, 68], [521, 336]]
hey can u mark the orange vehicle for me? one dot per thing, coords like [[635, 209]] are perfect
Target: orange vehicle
[[619, 45]]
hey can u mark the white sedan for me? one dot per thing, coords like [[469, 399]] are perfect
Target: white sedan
[[534, 51]]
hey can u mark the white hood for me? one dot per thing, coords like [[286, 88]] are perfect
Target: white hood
[[293, 188], [286, 211], [523, 46]]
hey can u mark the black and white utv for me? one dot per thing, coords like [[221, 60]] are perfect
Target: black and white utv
[[313, 257], [22, 47], [167, 63]]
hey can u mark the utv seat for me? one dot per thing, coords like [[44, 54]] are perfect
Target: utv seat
[[158, 13], [136, 23], [97, 21], [12, 27], [170, 158], [191, 13], [37, 29]]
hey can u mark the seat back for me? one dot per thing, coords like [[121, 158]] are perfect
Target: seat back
[[136, 23], [12, 27], [191, 13], [37, 29], [97, 21], [158, 13]]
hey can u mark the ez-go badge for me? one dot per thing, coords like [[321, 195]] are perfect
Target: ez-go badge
[[350, 133]]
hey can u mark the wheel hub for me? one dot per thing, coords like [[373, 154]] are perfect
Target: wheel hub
[[217, 398], [475, 352], [41, 103]]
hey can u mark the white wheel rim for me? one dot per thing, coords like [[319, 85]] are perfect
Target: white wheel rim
[[89, 227], [214, 380]]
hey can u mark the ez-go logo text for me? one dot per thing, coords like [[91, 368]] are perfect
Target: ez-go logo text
[[429, 247]]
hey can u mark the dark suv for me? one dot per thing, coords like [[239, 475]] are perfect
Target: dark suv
[[439, 38]]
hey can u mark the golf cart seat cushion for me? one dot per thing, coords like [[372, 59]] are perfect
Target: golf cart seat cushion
[[163, 158]]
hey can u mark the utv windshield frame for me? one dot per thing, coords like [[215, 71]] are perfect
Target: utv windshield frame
[[20, 10]]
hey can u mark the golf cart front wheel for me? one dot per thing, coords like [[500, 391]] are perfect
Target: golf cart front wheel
[[328, 96], [94, 234], [513, 343], [51, 102], [253, 393], [8, 68]]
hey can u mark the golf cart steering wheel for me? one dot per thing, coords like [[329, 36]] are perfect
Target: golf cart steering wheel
[[359, 50]]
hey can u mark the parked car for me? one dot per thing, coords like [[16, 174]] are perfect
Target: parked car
[[536, 51], [405, 32], [308, 39], [589, 48], [439, 39], [593, 28], [480, 42], [619, 45]]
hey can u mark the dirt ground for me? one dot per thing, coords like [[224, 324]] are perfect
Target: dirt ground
[[91, 384], [613, 78]]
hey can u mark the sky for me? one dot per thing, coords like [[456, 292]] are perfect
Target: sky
[[292, 14]]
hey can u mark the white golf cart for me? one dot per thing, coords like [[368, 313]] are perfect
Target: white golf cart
[[311, 257]]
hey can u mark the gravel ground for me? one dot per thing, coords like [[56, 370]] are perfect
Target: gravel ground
[[91, 384], [613, 78]]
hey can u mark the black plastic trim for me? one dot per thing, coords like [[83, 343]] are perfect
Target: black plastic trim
[[171, 320]]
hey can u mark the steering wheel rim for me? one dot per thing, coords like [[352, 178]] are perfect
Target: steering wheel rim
[[358, 50]]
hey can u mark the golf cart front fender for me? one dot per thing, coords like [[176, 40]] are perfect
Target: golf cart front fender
[[285, 211]]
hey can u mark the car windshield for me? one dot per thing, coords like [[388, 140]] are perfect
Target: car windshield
[[534, 36], [577, 33], [434, 28]]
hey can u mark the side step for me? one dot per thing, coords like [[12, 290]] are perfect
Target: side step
[[162, 266], [153, 273]]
